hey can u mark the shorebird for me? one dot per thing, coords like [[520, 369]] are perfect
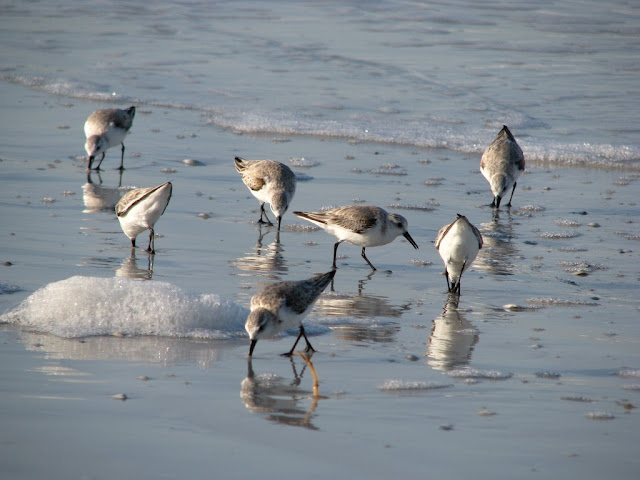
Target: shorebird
[[458, 244], [284, 305], [361, 225], [140, 209], [502, 163], [270, 182], [105, 129]]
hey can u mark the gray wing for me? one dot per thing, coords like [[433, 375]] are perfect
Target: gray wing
[[355, 218]]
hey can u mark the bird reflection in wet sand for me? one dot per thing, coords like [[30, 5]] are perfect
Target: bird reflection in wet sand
[[452, 338], [358, 305], [280, 402], [98, 198], [130, 269], [361, 305], [266, 260], [500, 248]]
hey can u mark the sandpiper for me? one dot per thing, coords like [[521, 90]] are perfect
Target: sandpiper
[[458, 244], [284, 305], [502, 163], [361, 225], [105, 129], [140, 209], [270, 182]]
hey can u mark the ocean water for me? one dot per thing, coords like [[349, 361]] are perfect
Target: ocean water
[[533, 372], [561, 74]]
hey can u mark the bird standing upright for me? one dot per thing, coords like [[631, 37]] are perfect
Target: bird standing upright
[[502, 163], [361, 225]]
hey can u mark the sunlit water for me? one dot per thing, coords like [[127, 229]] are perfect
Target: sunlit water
[[532, 372]]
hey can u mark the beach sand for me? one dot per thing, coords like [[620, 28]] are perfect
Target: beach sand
[[534, 374]]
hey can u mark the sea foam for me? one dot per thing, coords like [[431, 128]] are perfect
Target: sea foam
[[86, 306]]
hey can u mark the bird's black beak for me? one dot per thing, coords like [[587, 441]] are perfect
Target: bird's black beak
[[253, 345], [411, 240]]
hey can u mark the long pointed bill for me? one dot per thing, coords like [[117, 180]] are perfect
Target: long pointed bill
[[253, 345], [411, 241]]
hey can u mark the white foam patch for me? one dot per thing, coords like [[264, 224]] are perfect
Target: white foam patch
[[558, 235], [600, 416], [86, 306], [480, 374], [560, 302], [404, 385]]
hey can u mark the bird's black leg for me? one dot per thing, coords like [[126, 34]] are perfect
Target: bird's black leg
[[264, 213], [290, 352], [100, 162], [335, 251], [122, 158], [152, 242], [464, 266], [367, 260], [512, 190], [304, 334]]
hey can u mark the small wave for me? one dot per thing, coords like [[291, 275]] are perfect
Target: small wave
[[629, 372], [431, 134]]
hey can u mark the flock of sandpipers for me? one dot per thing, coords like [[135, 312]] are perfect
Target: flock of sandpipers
[[283, 305]]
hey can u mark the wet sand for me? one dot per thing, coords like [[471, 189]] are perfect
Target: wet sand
[[535, 373]]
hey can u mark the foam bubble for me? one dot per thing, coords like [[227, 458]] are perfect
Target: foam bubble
[[86, 306], [419, 208], [403, 385], [484, 374], [558, 235], [559, 302], [600, 416]]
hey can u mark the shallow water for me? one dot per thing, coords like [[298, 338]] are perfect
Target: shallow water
[[536, 371]]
